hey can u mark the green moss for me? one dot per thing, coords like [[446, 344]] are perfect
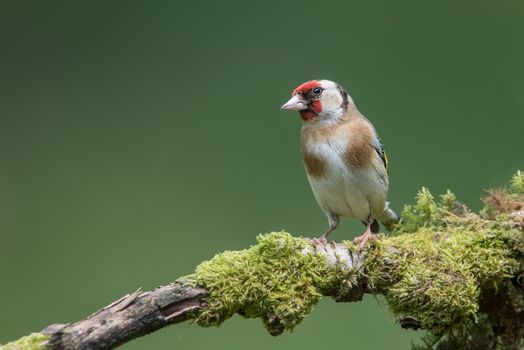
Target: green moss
[[452, 272], [272, 280], [448, 201], [35, 341], [424, 213], [437, 277], [436, 270], [517, 183], [471, 335]]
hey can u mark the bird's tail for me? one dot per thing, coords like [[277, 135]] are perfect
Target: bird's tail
[[388, 218]]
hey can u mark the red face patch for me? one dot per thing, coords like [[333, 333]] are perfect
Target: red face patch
[[316, 106], [312, 112], [306, 87], [307, 115]]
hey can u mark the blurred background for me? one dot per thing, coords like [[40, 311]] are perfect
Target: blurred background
[[138, 139]]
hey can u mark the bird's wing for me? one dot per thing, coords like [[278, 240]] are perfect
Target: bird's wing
[[379, 148]]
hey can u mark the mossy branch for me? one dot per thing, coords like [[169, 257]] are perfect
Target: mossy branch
[[449, 271]]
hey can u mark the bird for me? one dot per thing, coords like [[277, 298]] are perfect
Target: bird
[[344, 158]]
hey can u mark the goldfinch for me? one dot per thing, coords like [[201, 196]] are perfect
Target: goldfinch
[[345, 161]]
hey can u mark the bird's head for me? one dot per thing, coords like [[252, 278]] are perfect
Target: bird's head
[[319, 100]]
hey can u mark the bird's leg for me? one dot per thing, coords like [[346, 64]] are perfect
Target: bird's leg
[[366, 236], [333, 224]]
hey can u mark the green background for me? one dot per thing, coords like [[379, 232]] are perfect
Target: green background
[[139, 138]]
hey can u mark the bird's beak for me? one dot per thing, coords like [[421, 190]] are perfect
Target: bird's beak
[[296, 103]]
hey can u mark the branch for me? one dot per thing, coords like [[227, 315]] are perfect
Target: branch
[[454, 273], [128, 318], [141, 313]]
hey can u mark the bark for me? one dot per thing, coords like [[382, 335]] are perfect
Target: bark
[[129, 317]]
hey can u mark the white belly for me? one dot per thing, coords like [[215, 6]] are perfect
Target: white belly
[[348, 192]]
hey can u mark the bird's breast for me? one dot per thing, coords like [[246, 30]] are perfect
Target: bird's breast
[[319, 155], [340, 170], [316, 165]]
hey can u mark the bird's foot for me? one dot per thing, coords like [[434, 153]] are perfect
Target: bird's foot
[[322, 240], [363, 239]]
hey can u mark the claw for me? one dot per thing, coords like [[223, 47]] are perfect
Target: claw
[[363, 239], [320, 241]]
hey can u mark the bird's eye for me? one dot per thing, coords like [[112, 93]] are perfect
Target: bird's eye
[[317, 91]]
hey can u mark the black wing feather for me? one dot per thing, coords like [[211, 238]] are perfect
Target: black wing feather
[[379, 147]]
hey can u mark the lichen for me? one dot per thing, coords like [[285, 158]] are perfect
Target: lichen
[[34, 341], [273, 280]]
